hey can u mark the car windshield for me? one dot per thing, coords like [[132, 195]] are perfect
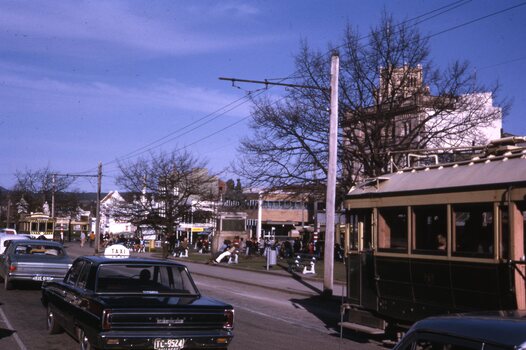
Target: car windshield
[[144, 279], [38, 249]]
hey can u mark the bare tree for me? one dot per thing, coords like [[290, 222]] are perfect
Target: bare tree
[[391, 98], [164, 186], [36, 186]]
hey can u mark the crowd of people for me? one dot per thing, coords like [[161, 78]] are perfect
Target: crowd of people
[[135, 243], [179, 246], [285, 249]]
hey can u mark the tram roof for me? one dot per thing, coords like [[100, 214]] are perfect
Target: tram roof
[[488, 172]]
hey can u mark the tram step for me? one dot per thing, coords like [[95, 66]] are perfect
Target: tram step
[[361, 328]]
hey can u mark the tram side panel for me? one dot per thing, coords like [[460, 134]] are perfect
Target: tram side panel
[[411, 289]]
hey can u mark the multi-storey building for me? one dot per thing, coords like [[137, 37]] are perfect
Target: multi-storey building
[[405, 116]]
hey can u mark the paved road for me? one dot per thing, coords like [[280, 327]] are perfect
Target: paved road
[[272, 310], [276, 279]]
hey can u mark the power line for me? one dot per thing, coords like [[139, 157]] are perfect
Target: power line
[[169, 137], [477, 20], [147, 147], [502, 63]]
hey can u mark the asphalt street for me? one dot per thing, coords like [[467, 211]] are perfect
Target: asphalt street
[[280, 280]]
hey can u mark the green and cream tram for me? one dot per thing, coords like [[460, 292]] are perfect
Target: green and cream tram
[[37, 225], [436, 240]]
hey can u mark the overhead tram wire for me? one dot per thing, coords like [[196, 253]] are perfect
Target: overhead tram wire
[[453, 27], [170, 137], [150, 146], [441, 10], [196, 127]]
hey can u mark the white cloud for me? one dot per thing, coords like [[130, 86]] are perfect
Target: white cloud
[[118, 24], [226, 9], [165, 94]]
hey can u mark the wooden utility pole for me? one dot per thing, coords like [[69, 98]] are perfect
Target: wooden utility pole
[[97, 221], [8, 221], [53, 179], [328, 272], [99, 176]]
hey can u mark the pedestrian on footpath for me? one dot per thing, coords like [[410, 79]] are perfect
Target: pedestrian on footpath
[[82, 239], [91, 239], [228, 252]]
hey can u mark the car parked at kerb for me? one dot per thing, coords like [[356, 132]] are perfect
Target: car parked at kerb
[[498, 330], [135, 303], [33, 261], [8, 231], [6, 238]]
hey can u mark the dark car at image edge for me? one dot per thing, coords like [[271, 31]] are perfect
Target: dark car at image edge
[[493, 330]]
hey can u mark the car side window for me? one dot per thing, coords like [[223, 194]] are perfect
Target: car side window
[[83, 277], [423, 341], [74, 273]]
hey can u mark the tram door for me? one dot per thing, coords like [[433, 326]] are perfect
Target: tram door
[[361, 288]]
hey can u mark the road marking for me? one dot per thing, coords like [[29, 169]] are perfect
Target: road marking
[[15, 335]]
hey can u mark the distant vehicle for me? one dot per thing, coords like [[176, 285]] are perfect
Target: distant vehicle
[[504, 330], [131, 303], [33, 261], [8, 231], [38, 225], [6, 238]]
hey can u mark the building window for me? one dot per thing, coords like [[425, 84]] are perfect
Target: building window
[[473, 233], [392, 228], [233, 225], [430, 229]]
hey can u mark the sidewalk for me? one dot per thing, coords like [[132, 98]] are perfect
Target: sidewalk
[[276, 279]]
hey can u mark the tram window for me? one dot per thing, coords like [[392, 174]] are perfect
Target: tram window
[[361, 218], [430, 228], [49, 226], [392, 228], [473, 229], [34, 226]]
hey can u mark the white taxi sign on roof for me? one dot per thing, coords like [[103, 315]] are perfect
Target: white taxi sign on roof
[[116, 251]]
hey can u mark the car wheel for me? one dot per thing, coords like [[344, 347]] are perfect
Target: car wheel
[[8, 284], [84, 341], [52, 326]]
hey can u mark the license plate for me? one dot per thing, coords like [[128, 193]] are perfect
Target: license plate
[[42, 278], [168, 344]]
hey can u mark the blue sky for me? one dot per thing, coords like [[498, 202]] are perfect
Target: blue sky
[[89, 81]]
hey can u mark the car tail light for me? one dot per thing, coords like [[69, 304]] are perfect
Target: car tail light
[[106, 320], [12, 268], [229, 319]]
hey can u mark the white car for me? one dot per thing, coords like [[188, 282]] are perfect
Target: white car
[[5, 238], [8, 231]]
